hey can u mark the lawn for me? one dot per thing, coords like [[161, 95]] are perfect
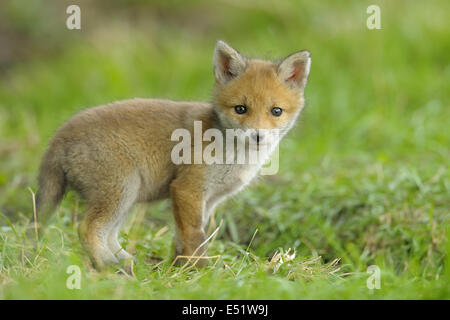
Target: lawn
[[363, 178]]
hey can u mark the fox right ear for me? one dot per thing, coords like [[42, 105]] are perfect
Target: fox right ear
[[294, 70], [227, 62]]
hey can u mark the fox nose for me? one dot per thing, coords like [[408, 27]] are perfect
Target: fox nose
[[257, 136]]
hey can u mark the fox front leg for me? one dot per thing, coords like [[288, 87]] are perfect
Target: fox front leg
[[188, 211]]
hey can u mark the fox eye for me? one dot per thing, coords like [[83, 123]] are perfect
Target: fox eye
[[276, 111], [240, 109]]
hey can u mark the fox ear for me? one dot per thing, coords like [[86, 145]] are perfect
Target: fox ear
[[227, 62], [294, 69]]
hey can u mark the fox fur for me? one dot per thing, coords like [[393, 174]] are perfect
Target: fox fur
[[119, 154]]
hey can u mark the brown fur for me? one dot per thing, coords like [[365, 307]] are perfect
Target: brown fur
[[120, 154]]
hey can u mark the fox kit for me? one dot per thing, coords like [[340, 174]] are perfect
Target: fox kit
[[119, 154]]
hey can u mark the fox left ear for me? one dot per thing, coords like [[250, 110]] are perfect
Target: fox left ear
[[228, 63], [294, 69]]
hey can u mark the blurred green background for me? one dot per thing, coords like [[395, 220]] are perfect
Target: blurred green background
[[363, 176]]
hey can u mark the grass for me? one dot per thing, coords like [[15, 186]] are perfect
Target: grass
[[363, 177]]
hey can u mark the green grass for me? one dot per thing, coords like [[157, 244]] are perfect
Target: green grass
[[363, 176]]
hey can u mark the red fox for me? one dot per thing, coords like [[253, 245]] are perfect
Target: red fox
[[120, 154]]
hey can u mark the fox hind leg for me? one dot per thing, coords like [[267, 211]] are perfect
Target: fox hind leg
[[129, 196], [100, 228], [93, 232], [114, 245]]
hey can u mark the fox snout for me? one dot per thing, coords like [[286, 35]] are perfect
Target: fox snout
[[257, 136]]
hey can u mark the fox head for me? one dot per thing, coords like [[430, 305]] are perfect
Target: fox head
[[262, 95]]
